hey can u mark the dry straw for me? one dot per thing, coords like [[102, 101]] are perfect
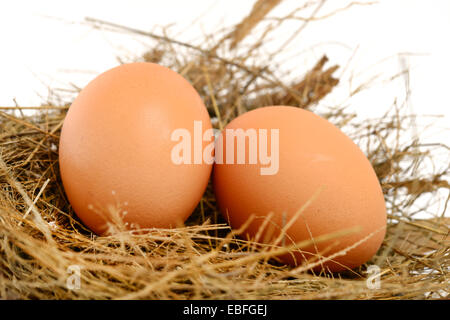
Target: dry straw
[[41, 237]]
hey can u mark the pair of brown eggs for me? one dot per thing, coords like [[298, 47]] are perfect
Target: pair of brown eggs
[[137, 144]]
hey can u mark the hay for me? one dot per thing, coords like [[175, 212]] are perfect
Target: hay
[[41, 239]]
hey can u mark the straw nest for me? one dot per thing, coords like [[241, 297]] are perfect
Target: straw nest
[[41, 239]]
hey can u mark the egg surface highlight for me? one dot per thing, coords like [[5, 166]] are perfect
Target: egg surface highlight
[[116, 145], [299, 159]]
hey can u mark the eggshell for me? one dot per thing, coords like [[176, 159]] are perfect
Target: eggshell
[[115, 148], [317, 163]]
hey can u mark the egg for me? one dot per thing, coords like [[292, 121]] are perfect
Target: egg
[[117, 145], [285, 168]]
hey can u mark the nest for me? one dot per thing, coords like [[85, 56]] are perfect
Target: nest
[[43, 243]]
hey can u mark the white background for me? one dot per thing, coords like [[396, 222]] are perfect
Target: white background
[[47, 44], [42, 39]]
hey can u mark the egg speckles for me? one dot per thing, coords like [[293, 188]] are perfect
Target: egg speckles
[[115, 148], [319, 165]]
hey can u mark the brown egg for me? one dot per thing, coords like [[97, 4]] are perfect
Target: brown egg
[[116, 148], [299, 159]]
